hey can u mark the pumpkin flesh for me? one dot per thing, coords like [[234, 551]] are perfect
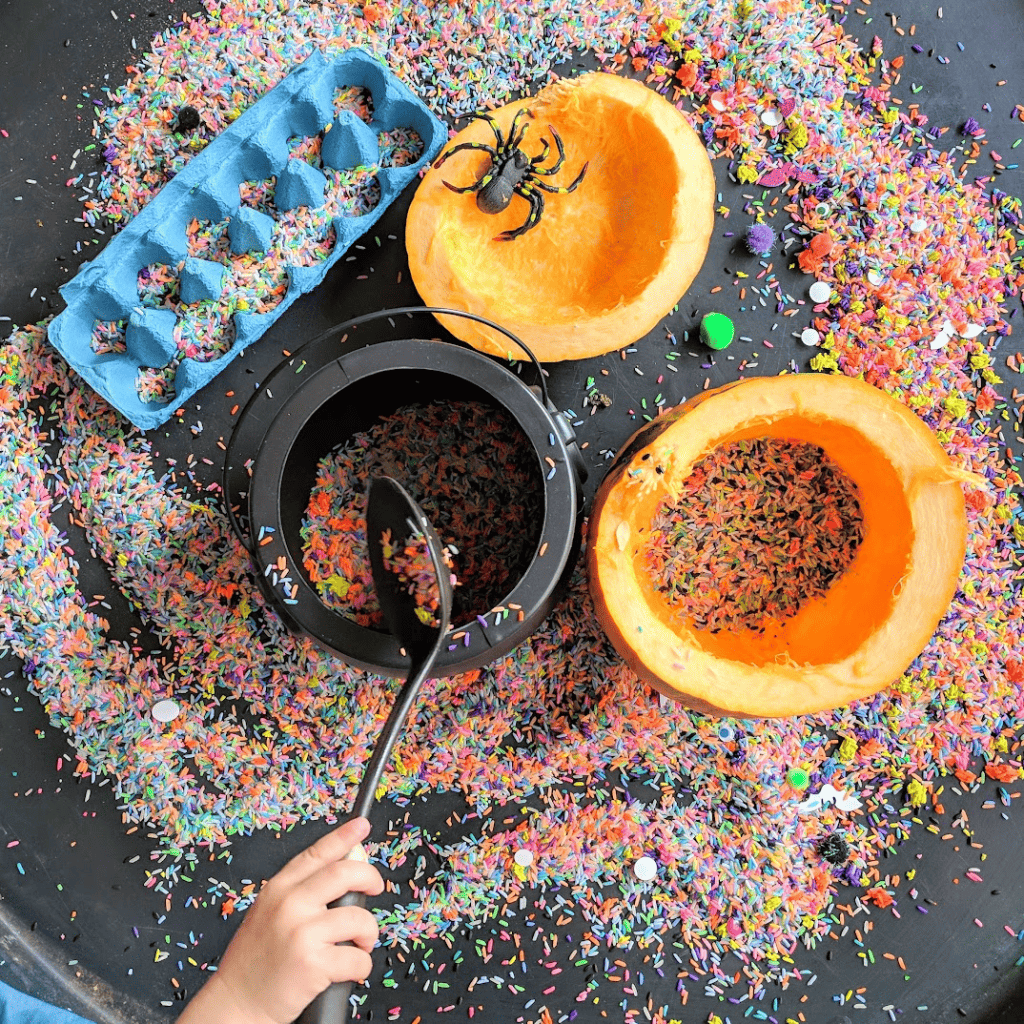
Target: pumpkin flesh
[[871, 622], [605, 262]]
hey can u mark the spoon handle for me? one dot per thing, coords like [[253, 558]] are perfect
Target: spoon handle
[[332, 1006], [385, 745]]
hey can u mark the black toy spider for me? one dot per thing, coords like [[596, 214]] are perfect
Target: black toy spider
[[512, 172]]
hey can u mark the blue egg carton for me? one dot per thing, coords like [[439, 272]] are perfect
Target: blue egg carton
[[105, 292]]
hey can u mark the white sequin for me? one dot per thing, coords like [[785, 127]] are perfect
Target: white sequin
[[165, 710], [819, 292], [645, 869]]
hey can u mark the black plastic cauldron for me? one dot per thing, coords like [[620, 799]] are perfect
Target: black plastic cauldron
[[297, 419]]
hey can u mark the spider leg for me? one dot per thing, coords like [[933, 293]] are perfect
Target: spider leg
[[495, 127], [466, 145], [562, 189], [514, 139], [536, 209], [561, 155], [483, 115], [540, 157], [464, 189]]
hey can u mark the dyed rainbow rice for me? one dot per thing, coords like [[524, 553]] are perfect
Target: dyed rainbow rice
[[759, 527], [579, 716], [467, 465], [414, 566]]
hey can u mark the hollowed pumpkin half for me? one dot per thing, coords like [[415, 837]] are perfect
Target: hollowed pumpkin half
[[867, 627], [605, 262]]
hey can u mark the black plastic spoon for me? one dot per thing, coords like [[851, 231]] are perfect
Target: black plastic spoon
[[389, 507]]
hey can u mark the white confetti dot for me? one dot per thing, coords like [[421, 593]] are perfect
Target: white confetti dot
[[524, 858], [165, 710], [819, 292], [645, 869], [772, 117], [918, 225], [875, 277], [810, 337]]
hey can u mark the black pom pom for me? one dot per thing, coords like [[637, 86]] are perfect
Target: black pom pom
[[188, 120], [834, 848]]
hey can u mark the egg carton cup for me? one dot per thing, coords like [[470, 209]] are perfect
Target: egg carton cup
[[254, 147]]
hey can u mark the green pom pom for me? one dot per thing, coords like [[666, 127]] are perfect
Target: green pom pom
[[717, 331]]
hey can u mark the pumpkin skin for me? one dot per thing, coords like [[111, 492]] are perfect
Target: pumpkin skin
[[875, 618], [606, 262]]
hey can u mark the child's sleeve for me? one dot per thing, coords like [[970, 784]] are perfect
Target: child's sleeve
[[18, 1008]]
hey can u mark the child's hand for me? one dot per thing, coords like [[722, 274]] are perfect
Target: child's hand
[[284, 954]]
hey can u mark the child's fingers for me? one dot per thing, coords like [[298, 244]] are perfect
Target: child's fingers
[[333, 880], [348, 963], [327, 849], [351, 924]]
